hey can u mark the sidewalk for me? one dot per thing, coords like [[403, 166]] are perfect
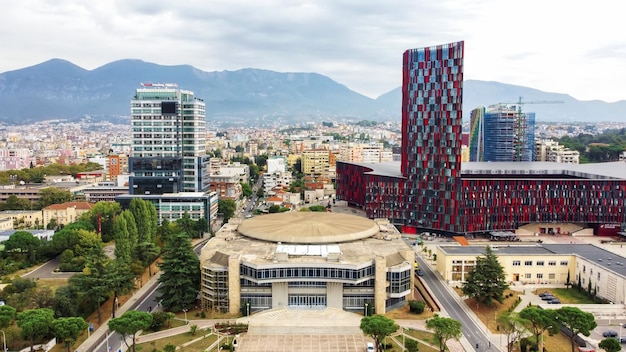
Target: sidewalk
[[100, 334]]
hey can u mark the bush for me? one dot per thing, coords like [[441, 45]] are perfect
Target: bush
[[411, 345], [417, 307]]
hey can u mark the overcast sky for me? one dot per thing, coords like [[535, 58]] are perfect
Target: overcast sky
[[564, 46]]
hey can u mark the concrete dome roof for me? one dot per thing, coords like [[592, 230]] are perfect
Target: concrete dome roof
[[308, 227]]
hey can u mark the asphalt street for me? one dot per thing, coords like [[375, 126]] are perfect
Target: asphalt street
[[449, 302]]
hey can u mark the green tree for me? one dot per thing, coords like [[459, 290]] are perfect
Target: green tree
[[180, 276], [119, 279], [274, 208], [146, 219], [161, 320], [129, 324], [35, 324], [125, 234], [378, 327], [52, 195], [69, 237], [577, 321], [68, 329], [227, 207], [186, 225], [7, 315], [15, 203], [24, 243], [102, 216], [444, 330], [149, 252], [540, 320], [65, 302], [246, 189], [92, 285], [487, 281], [513, 327], [610, 345]]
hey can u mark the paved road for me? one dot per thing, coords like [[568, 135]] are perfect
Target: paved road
[[46, 271], [450, 304]]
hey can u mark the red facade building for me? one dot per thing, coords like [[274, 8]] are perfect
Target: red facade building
[[429, 190]]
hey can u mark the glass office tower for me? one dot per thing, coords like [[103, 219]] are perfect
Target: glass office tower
[[168, 141]]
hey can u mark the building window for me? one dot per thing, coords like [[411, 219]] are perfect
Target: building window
[[517, 262], [564, 263], [528, 263], [551, 276], [540, 263], [552, 263], [540, 276], [528, 276], [598, 275]]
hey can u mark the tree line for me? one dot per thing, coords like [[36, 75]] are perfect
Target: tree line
[[612, 143], [139, 240]]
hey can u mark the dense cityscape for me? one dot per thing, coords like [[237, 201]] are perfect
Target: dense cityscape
[[429, 231]]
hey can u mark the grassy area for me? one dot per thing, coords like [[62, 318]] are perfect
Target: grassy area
[[487, 314], [395, 347], [405, 313], [421, 335], [179, 340], [568, 295]]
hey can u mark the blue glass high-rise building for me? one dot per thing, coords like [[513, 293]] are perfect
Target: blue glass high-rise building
[[502, 132]]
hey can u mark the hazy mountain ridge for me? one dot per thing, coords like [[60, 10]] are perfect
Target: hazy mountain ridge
[[60, 89]]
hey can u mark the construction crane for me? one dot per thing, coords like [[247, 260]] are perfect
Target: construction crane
[[520, 136]]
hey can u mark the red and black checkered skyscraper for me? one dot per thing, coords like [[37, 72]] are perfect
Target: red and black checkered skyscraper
[[431, 191], [432, 97]]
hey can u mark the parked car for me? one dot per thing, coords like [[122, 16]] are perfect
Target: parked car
[[545, 294], [370, 347], [419, 272], [554, 301], [609, 333], [547, 297]]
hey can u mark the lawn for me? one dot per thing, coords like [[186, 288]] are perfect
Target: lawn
[[179, 340], [422, 336], [487, 314], [568, 295]]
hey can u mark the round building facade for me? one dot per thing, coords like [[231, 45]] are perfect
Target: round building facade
[[306, 260]]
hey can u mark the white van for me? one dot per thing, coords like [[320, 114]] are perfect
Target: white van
[[370, 347]]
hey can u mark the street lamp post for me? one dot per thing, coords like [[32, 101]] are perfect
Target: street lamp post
[[185, 310]]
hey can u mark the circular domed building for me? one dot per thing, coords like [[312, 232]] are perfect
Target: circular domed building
[[306, 260]]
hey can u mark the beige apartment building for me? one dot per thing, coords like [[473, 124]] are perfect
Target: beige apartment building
[[316, 162], [23, 218], [543, 263], [65, 213]]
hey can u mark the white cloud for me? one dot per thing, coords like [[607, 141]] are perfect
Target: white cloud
[[571, 47]]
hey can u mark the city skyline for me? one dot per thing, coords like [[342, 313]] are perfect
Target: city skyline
[[356, 44]]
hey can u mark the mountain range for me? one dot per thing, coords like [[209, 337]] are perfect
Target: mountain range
[[58, 89]]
